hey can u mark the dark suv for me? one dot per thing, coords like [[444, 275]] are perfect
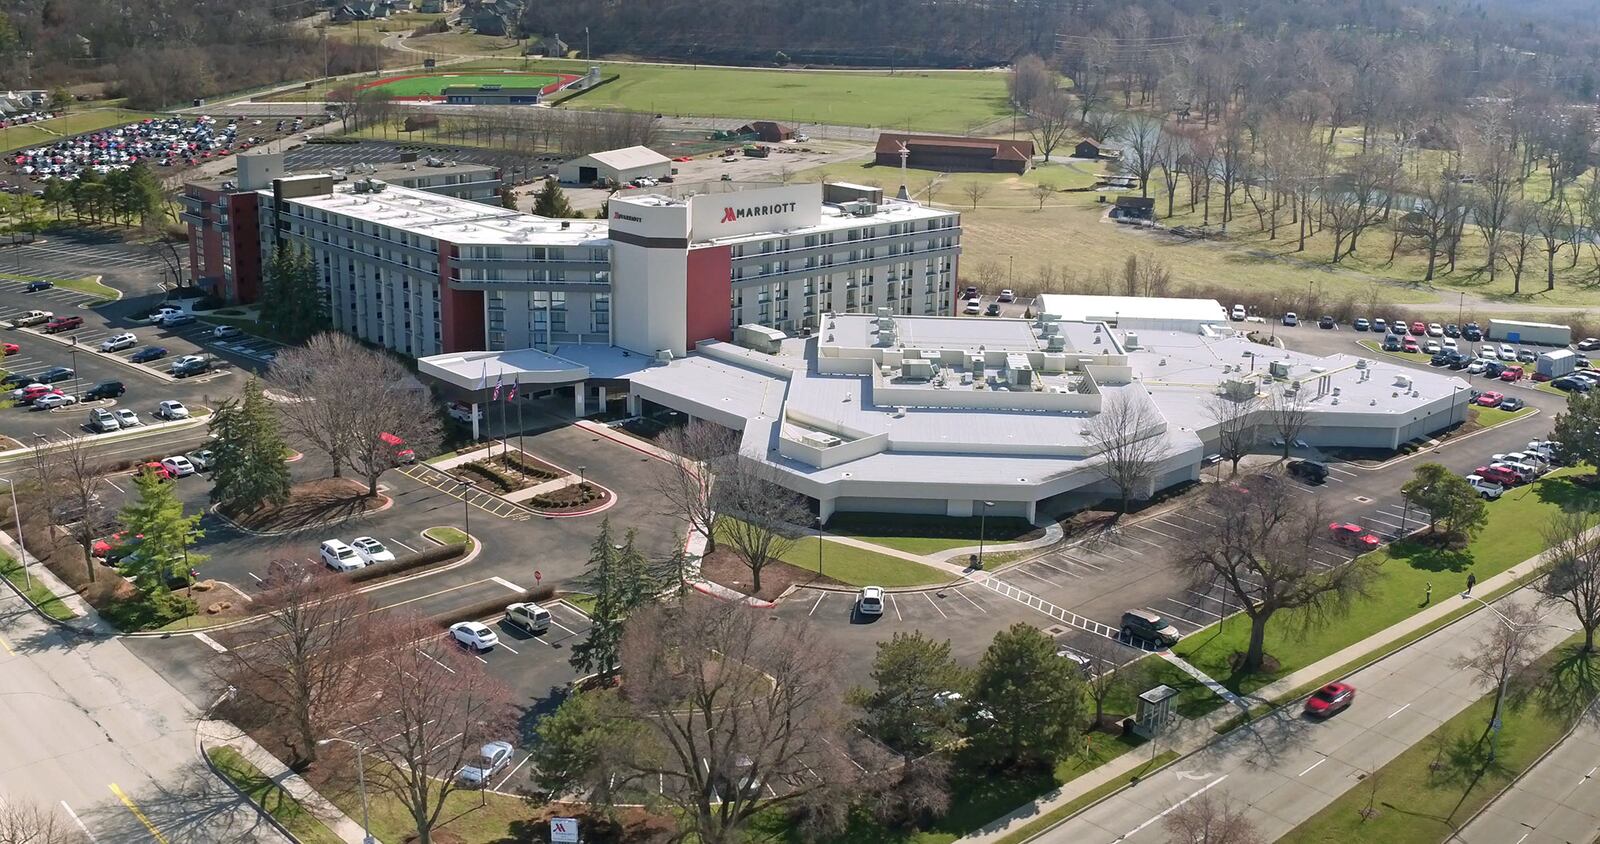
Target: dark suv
[[1308, 470], [1149, 626], [105, 390]]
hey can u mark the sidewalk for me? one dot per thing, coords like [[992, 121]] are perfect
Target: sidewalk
[[223, 733], [87, 621], [1194, 735]]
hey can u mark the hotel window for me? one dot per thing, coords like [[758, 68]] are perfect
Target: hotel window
[[601, 313]]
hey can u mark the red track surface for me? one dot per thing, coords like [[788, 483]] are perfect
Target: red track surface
[[562, 80]]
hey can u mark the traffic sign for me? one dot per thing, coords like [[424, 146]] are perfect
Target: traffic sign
[[563, 831], [537, 575]]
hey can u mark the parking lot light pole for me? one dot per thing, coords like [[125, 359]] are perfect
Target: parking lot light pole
[[74, 352], [466, 508], [819, 545], [983, 523], [17, 514], [361, 779]]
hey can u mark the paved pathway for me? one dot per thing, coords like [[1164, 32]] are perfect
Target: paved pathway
[[1557, 801], [209, 734]]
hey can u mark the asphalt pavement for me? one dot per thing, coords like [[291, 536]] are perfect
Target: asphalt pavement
[[1557, 801]]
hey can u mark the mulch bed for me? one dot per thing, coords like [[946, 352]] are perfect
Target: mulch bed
[[214, 602], [724, 567], [312, 503], [571, 497]]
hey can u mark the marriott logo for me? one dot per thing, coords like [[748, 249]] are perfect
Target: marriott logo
[[731, 214]]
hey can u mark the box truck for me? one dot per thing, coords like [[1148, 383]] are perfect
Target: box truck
[[1537, 333]]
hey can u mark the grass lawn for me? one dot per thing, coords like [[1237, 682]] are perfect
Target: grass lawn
[[446, 535], [1087, 799], [860, 567], [465, 44], [1511, 536], [37, 593], [581, 600], [75, 123], [929, 534], [473, 815], [261, 790], [1488, 417], [1442, 780], [405, 85], [89, 284]]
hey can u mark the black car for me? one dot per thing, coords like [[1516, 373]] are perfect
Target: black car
[[992, 310], [1493, 370], [1460, 362], [1570, 384], [36, 286], [1452, 330], [105, 390], [1308, 470], [16, 379], [1440, 359], [148, 353], [1391, 343], [54, 374], [1512, 403], [194, 367], [1471, 331], [1326, 322], [1589, 344]]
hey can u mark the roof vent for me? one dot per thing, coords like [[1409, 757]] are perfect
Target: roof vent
[[664, 356], [900, 413]]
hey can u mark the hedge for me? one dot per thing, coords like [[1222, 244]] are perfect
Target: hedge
[[409, 562], [505, 482], [490, 606], [530, 467], [560, 499]]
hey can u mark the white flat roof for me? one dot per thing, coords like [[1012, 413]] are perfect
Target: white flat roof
[[449, 218], [1106, 308], [835, 218], [628, 158]]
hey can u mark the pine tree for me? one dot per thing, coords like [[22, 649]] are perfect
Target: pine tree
[[249, 471], [293, 306], [552, 202], [673, 572], [599, 653], [164, 534]]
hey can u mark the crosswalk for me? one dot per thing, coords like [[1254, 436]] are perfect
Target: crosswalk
[[492, 504]]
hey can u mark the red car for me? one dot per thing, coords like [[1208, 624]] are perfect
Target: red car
[[11, 348], [1491, 399], [65, 323], [1511, 373], [401, 452], [1334, 697], [1495, 474], [1418, 329], [1410, 345], [1348, 533], [160, 471], [114, 547], [34, 391]]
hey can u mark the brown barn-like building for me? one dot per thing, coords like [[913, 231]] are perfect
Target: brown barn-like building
[[939, 152]]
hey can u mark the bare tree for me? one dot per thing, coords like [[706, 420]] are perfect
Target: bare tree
[[1042, 192], [1210, 818], [1104, 678], [1516, 240], [1571, 569], [28, 823], [744, 710], [1141, 140], [1128, 437], [1260, 546], [1172, 153], [1233, 412], [307, 660], [1288, 415], [1049, 120], [1553, 222], [428, 714], [762, 519], [1502, 654], [1030, 79], [1100, 125], [1437, 217], [975, 191], [383, 397], [1497, 178], [309, 382], [76, 477], [684, 479]]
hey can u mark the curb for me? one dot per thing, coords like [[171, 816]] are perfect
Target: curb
[[261, 811], [1576, 723], [146, 430], [213, 509], [56, 338]]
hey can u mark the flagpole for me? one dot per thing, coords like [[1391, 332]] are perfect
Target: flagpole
[[505, 438], [517, 388]]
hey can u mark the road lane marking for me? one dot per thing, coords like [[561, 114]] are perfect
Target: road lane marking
[[79, 821], [508, 776], [1591, 772], [1397, 711], [7, 646], [963, 594], [1313, 766], [211, 643], [134, 808], [507, 584], [935, 604], [1202, 790], [820, 596]]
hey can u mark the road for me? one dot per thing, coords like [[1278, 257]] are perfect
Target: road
[[94, 735], [1285, 768], [1556, 802]]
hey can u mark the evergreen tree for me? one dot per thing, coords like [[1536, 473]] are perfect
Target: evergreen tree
[[619, 578], [552, 202], [164, 534], [249, 471], [293, 306], [1030, 700], [508, 197]]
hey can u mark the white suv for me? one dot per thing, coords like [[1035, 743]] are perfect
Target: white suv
[[119, 342], [340, 557], [870, 601]]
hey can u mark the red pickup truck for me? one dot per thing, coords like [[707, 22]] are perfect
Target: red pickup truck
[[66, 323]]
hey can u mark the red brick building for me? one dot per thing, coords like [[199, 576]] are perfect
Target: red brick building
[[939, 152]]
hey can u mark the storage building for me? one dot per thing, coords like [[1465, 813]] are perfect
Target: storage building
[[618, 166]]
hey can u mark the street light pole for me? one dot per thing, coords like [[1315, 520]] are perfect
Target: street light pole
[[361, 780], [983, 524], [466, 508], [819, 546], [1500, 695], [17, 514]]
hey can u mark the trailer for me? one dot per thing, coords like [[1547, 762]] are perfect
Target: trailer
[[757, 151], [1552, 365], [1535, 333]]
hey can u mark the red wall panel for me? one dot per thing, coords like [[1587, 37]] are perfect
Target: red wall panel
[[461, 314], [710, 282]]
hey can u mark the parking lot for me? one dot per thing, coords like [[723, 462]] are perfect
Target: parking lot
[[57, 258]]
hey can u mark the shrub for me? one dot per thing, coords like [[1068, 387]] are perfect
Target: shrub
[[409, 562], [494, 476], [567, 497], [489, 606], [148, 612], [530, 467]]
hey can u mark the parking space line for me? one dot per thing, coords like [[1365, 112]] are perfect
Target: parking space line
[[820, 596], [963, 593], [1025, 573], [570, 631], [1146, 527], [1041, 561], [896, 605], [1192, 607], [507, 584], [509, 648], [435, 661], [211, 643], [402, 545], [513, 771], [1081, 561], [935, 605]]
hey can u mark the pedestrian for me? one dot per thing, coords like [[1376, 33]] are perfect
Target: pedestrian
[[1427, 595], [1472, 580]]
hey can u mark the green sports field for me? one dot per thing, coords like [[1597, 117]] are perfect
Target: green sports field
[[433, 85]]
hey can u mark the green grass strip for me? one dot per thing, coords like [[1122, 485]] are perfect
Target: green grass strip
[[37, 592], [271, 797]]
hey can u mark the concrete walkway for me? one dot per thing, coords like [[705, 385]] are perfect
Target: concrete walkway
[[210, 734], [1554, 802], [1190, 736]]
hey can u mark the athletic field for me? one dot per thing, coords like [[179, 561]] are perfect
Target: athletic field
[[430, 86]]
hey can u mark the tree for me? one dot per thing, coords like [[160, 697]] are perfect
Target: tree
[[1288, 416], [763, 520], [1103, 677], [248, 471], [1553, 222], [586, 747], [551, 201], [618, 579], [1172, 152], [1100, 125], [1260, 545], [60, 99], [1027, 702], [975, 191], [1448, 499], [1578, 428], [293, 304], [1042, 192], [1503, 653], [918, 794], [1234, 416], [508, 197], [734, 700], [1437, 217], [684, 476], [905, 709], [1141, 139], [314, 404], [1030, 78], [1128, 439], [1049, 120], [74, 476], [1570, 572], [425, 717], [308, 658], [22, 822], [1210, 818], [384, 401], [156, 515]]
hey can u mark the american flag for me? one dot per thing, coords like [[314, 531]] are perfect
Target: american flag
[[495, 396]]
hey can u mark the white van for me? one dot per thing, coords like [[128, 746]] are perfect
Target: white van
[[1238, 313], [530, 617], [340, 557]]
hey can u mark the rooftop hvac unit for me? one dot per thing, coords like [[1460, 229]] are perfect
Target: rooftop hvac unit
[[1130, 340], [664, 356], [883, 313], [1361, 363], [886, 336], [1056, 343], [1278, 368], [817, 439], [1051, 329], [900, 413], [1336, 391], [1403, 382]]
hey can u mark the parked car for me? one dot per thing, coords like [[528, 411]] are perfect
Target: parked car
[[172, 409], [54, 374], [28, 318], [178, 465], [1391, 343], [1409, 344], [1477, 366], [1326, 322], [462, 412], [1484, 487], [1435, 329], [371, 550], [473, 634], [1499, 475], [528, 616], [1290, 319], [973, 308], [1507, 353], [157, 469], [175, 320], [870, 601], [1490, 399], [1472, 332], [203, 459], [1149, 626], [1512, 403], [1432, 347], [36, 286], [147, 354], [1511, 373], [1527, 356], [492, 758], [105, 390], [103, 421], [1452, 330], [1008, 295], [189, 365], [399, 451], [127, 418], [1361, 324], [1349, 533], [1379, 325], [118, 342], [992, 310], [1523, 471], [1440, 359], [1449, 344], [1330, 699], [1238, 313], [225, 332], [340, 557], [51, 401], [27, 394], [1308, 470], [1418, 329], [9, 349], [164, 313], [1589, 344], [66, 323]]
